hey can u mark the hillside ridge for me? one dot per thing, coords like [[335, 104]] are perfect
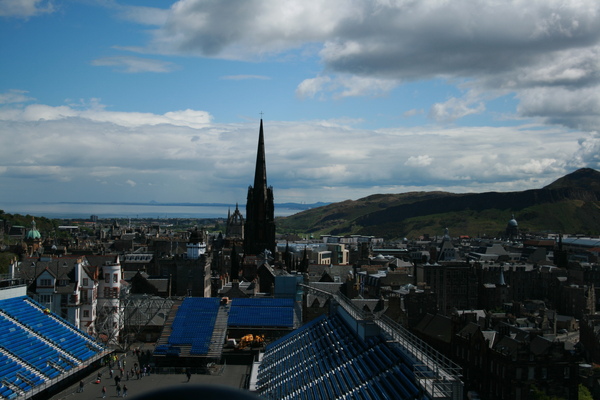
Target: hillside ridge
[[571, 203]]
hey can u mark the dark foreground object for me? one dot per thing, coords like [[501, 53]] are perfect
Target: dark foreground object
[[204, 392]]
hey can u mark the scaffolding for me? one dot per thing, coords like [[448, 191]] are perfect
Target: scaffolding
[[135, 312]]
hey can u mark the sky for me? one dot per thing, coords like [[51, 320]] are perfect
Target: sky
[[157, 101]]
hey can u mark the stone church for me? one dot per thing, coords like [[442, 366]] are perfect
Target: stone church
[[259, 229]]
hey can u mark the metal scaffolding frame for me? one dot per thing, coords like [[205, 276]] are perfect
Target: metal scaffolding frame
[[134, 313]]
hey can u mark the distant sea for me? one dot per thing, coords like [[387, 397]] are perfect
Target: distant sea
[[133, 210]]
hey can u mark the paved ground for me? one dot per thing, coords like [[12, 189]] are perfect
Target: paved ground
[[229, 375]]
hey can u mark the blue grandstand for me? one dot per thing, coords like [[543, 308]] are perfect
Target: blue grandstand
[[353, 355], [326, 359], [37, 349], [261, 312], [200, 325], [193, 326]]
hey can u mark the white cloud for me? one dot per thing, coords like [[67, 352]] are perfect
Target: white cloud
[[132, 64], [418, 161], [454, 109], [412, 112], [25, 8], [341, 86], [89, 153], [97, 113], [14, 96], [309, 88], [142, 15], [367, 48]]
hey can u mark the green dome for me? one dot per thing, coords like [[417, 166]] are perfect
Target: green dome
[[33, 234]]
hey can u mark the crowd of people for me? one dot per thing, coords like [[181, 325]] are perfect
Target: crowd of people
[[118, 371]]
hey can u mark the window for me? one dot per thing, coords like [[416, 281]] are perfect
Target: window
[[85, 281], [45, 298], [115, 278], [107, 278], [86, 313], [45, 282]]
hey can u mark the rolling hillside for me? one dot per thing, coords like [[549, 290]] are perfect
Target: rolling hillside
[[571, 204]]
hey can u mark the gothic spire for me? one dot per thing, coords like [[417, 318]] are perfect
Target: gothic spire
[[260, 174]]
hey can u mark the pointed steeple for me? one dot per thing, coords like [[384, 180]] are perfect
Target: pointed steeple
[[260, 174], [259, 229]]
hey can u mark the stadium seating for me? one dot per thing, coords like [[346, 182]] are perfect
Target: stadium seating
[[36, 347], [31, 314], [325, 359], [193, 325], [267, 312]]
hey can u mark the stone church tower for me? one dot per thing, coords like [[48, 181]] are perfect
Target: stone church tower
[[235, 224], [259, 229]]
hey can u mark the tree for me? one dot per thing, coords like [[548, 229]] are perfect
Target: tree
[[538, 394], [5, 260], [584, 393]]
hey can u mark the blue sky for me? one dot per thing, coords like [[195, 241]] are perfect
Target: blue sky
[[104, 100]]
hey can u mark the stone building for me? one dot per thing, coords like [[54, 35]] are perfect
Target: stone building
[[259, 229]]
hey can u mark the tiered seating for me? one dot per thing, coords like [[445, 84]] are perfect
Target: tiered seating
[[40, 347], [326, 360], [68, 339], [193, 325], [262, 312], [13, 372], [31, 349]]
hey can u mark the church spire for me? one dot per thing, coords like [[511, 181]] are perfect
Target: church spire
[[259, 229], [260, 174]]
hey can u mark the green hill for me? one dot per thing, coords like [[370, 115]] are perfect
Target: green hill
[[571, 204]]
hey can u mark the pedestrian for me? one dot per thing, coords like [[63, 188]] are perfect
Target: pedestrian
[[127, 375], [188, 374], [118, 390], [81, 386], [103, 391], [124, 390]]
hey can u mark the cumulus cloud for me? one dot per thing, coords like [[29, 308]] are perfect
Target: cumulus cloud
[[454, 109], [97, 113], [25, 8], [341, 86], [89, 152], [14, 96], [418, 161], [371, 47], [132, 64]]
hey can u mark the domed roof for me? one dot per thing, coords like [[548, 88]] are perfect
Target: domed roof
[[513, 222], [33, 233]]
